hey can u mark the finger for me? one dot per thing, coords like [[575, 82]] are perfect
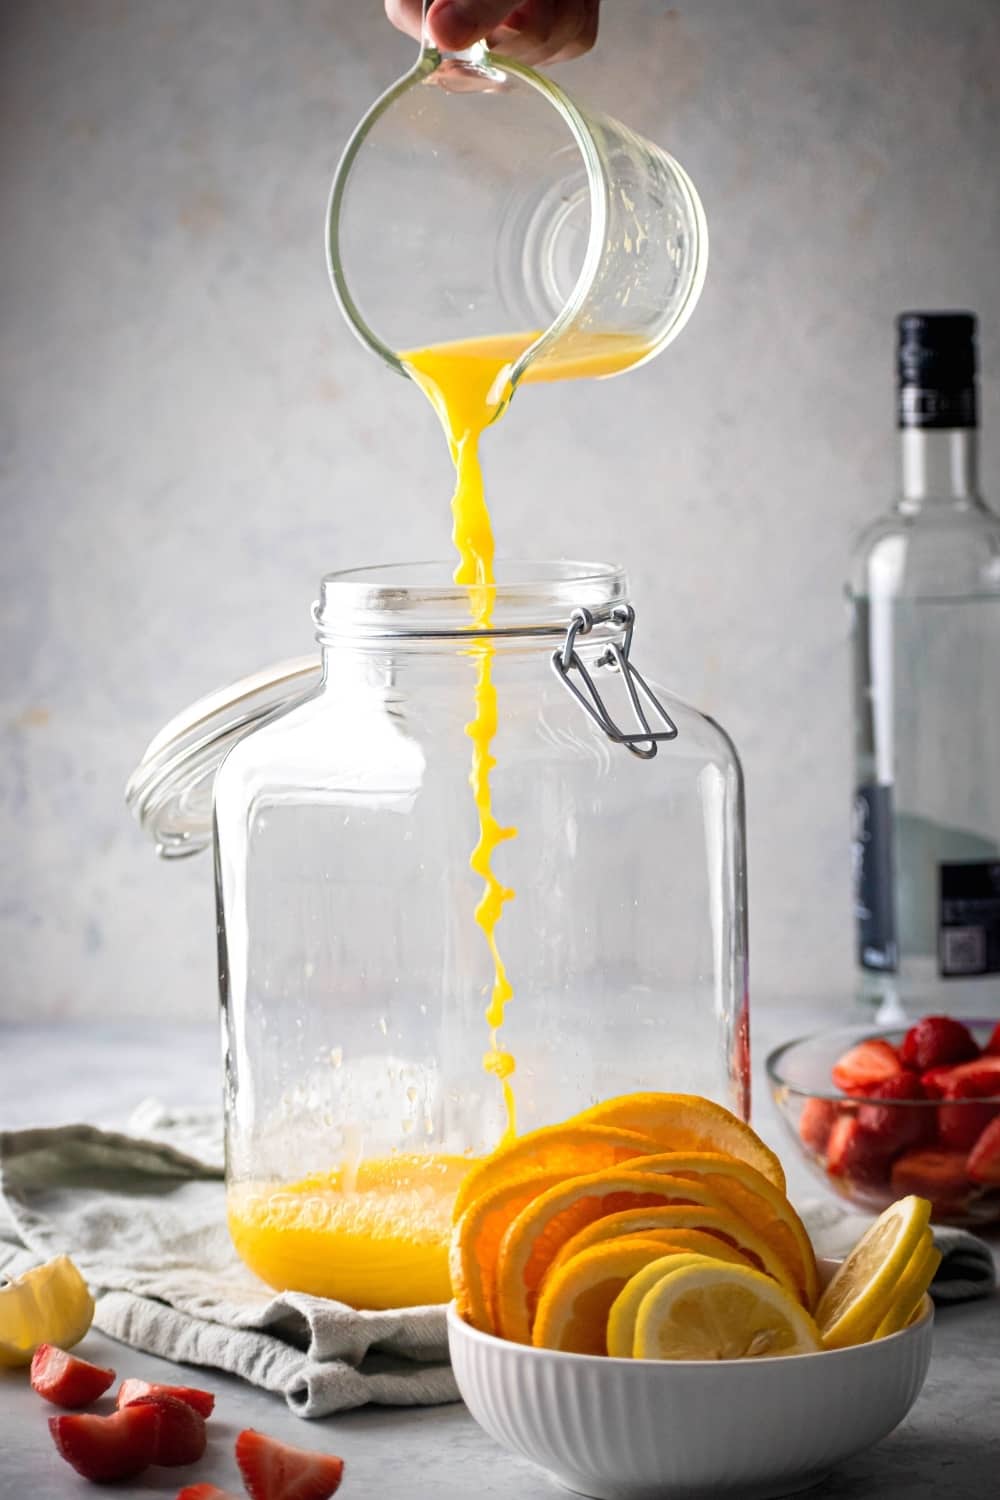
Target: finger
[[456, 24], [585, 38], [531, 31], [406, 15]]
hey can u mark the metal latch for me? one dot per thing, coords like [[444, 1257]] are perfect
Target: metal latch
[[643, 741]]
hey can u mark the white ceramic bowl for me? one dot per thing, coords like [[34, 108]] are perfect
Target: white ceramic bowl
[[631, 1429]]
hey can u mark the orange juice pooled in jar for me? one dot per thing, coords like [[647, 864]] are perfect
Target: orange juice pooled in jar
[[376, 1235]]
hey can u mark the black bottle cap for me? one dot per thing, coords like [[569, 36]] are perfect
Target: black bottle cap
[[937, 369]]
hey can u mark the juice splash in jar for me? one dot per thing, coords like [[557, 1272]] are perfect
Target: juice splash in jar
[[377, 1235], [468, 383]]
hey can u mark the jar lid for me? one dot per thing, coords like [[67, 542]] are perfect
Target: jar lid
[[170, 791]]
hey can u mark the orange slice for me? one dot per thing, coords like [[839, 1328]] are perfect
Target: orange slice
[[655, 1224], [686, 1122], [542, 1228], [569, 1149], [573, 1309], [749, 1193], [720, 1225], [475, 1244]]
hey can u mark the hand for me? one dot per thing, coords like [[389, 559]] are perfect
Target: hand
[[536, 31]]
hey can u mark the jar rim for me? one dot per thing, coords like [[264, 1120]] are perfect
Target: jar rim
[[421, 599]]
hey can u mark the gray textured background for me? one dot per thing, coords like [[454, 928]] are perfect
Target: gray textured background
[[190, 437]]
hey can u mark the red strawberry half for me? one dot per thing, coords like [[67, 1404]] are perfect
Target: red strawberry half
[[934, 1174], [856, 1153], [180, 1434], [275, 1471], [993, 1045], [978, 1079], [204, 1492], [815, 1123], [66, 1381], [903, 1123], [865, 1065], [104, 1448], [936, 1040], [131, 1390], [984, 1158], [961, 1123]]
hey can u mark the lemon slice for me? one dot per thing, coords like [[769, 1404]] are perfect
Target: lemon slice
[[910, 1289], [864, 1288], [715, 1311], [49, 1304], [573, 1309], [625, 1308]]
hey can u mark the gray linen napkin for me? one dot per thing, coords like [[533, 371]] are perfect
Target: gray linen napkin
[[967, 1268], [142, 1213]]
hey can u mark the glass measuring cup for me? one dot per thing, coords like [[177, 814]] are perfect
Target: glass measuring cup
[[475, 198]]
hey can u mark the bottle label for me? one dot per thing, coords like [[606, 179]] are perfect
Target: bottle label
[[969, 919], [874, 904]]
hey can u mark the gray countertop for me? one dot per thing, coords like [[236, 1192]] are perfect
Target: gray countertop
[[947, 1449]]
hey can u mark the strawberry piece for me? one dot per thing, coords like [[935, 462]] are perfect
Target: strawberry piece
[[204, 1492], [817, 1119], [901, 1124], [180, 1436], [979, 1079], [960, 1124], [934, 1174], [275, 1471], [131, 1390], [856, 1153], [935, 1041], [983, 1164], [65, 1380], [103, 1448], [866, 1064], [993, 1045]]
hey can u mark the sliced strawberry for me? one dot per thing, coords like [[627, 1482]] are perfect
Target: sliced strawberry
[[935, 1041], [815, 1123], [978, 1079], [866, 1064], [65, 1380], [902, 1124], [856, 1153], [934, 1174], [202, 1401], [993, 1045], [103, 1448], [204, 1492], [181, 1435], [275, 1471], [961, 1125], [983, 1164]]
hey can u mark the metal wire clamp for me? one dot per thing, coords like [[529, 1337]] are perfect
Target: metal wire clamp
[[643, 741]]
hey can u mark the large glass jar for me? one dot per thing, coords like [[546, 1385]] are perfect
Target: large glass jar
[[354, 977]]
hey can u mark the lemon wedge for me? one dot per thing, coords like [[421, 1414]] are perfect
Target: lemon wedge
[[717, 1311], [865, 1285], [50, 1304], [910, 1289]]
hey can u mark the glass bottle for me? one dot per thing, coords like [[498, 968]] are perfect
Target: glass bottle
[[354, 978], [925, 599]]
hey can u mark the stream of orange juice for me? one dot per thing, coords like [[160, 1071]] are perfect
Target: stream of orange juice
[[378, 1237]]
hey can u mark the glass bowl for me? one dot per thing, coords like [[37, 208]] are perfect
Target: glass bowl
[[872, 1149]]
